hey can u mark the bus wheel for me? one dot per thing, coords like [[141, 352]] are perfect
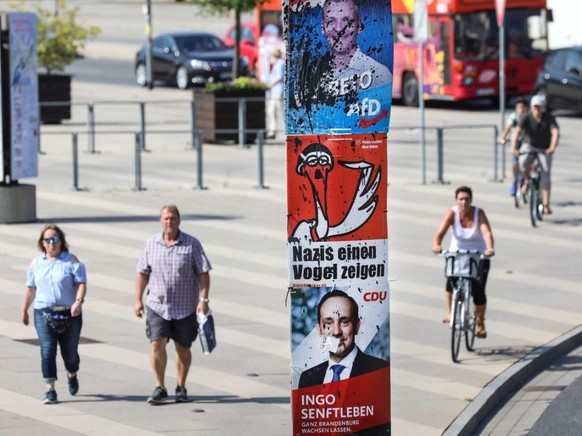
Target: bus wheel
[[410, 90]]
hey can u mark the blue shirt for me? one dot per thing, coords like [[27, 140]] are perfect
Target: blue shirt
[[56, 281]]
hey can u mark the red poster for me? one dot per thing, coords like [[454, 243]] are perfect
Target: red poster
[[337, 187]]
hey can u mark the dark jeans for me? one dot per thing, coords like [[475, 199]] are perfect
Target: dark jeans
[[68, 342]]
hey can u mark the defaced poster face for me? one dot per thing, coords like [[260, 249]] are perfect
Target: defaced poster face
[[339, 66], [340, 360]]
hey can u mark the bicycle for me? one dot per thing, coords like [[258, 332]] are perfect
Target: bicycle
[[533, 195], [463, 266]]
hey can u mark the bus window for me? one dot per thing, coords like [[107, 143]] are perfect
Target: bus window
[[476, 36], [525, 33]]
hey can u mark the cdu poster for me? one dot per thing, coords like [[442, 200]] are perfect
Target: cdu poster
[[338, 101], [339, 69]]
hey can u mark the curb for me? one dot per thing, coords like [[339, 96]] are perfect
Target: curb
[[510, 381]]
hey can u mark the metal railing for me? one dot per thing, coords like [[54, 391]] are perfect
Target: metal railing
[[197, 134]]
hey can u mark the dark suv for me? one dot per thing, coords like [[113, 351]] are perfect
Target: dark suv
[[561, 79]]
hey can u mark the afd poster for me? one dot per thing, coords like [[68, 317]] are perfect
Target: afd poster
[[339, 66], [24, 109]]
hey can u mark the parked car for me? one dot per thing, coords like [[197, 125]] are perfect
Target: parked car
[[561, 79], [249, 47], [187, 58]]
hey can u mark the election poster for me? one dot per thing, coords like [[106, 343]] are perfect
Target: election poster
[[24, 108], [337, 187], [340, 355], [339, 67], [338, 275]]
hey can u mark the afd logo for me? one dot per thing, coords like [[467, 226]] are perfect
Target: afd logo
[[370, 110], [375, 296]]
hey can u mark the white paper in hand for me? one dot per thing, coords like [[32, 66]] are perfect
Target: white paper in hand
[[206, 331]]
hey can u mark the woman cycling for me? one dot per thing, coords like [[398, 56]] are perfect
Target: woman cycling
[[470, 231]]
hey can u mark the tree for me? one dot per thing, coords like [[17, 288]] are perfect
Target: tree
[[226, 7], [60, 36]]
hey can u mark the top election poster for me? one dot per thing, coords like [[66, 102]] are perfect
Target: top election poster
[[339, 66]]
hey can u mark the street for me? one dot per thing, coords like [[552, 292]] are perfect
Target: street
[[243, 386]]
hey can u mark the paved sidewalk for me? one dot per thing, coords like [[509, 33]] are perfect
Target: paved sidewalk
[[527, 398]]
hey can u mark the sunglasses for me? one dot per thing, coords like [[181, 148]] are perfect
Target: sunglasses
[[54, 240]]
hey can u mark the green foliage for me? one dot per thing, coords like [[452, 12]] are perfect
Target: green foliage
[[240, 83], [225, 7], [60, 37]]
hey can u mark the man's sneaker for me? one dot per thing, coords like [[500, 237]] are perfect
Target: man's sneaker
[[181, 394], [50, 397], [513, 189], [73, 385], [159, 396]]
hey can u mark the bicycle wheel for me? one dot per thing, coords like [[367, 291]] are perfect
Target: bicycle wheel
[[533, 206], [471, 320], [456, 328]]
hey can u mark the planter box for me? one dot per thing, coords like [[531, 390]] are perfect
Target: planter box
[[54, 88], [219, 110]]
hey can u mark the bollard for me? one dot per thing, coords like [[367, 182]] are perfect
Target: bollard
[[142, 125], [496, 156], [138, 147], [193, 133], [75, 162], [260, 145], [440, 155], [90, 128], [242, 122], [199, 183]]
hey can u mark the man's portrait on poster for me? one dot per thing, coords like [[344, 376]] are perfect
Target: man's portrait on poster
[[338, 319], [333, 65]]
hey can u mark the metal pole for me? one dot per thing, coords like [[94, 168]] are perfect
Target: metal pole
[[199, 182], [440, 155], [501, 82], [421, 107], [242, 122], [193, 133], [148, 32], [75, 162], [142, 124], [137, 161], [496, 154], [90, 128], [260, 144]]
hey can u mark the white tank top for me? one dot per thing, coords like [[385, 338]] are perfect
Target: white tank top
[[466, 238]]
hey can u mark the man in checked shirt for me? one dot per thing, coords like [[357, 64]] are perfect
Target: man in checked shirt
[[175, 269]]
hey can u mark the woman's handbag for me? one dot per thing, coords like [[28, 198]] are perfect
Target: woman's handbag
[[58, 318]]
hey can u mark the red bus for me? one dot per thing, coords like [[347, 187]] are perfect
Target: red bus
[[461, 55]]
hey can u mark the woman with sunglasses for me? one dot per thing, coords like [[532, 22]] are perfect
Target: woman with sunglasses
[[57, 283]]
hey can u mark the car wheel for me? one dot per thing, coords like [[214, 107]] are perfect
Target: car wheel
[[410, 90], [141, 75], [182, 78]]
